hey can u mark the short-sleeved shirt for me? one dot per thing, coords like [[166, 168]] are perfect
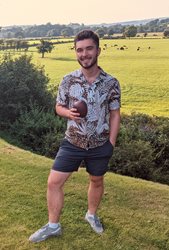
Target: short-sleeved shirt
[[101, 96]]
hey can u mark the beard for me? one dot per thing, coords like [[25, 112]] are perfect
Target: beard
[[87, 65]]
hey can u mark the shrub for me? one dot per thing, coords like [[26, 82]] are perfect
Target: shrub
[[21, 84], [140, 133], [133, 158], [39, 131]]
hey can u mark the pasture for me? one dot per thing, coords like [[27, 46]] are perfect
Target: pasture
[[143, 73]]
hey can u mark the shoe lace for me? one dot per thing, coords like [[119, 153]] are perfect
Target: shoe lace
[[97, 221]]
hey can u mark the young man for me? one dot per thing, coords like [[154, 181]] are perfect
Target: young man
[[90, 139]]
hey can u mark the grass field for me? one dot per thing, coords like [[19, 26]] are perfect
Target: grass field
[[143, 74], [135, 213]]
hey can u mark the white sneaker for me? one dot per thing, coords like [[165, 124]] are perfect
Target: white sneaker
[[45, 232], [94, 223]]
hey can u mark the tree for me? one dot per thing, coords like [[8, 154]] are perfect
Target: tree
[[110, 31], [100, 32], [166, 32], [53, 32], [45, 47], [21, 85], [130, 31], [67, 32]]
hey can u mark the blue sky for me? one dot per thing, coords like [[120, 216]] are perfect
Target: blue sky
[[21, 12]]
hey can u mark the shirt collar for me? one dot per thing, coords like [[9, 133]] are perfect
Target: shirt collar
[[101, 76]]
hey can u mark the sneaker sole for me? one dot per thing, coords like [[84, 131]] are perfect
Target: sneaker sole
[[45, 238]]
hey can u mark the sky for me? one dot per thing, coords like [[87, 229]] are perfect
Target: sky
[[30, 12]]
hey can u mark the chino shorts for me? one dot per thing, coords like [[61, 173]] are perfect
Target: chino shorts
[[70, 157]]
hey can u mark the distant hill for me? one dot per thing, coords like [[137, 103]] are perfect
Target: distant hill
[[56, 30], [133, 22]]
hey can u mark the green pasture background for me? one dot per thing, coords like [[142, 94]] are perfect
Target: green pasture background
[[143, 74]]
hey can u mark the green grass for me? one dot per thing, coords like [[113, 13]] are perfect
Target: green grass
[[143, 75], [135, 212]]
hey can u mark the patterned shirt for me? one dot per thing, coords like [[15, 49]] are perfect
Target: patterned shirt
[[101, 96]]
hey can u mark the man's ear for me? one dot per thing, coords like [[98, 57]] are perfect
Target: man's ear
[[99, 51]]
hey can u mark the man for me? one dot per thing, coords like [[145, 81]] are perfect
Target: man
[[90, 139]]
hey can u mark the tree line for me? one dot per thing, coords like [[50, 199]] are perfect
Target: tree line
[[56, 30]]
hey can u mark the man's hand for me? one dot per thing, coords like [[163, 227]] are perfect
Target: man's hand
[[71, 114], [74, 115]]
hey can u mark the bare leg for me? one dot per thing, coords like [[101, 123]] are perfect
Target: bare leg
[[55, 195], [95, 192]]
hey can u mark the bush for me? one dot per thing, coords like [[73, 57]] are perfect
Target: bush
[[135, 158], [21, 84], [39, 131], [143, 148]]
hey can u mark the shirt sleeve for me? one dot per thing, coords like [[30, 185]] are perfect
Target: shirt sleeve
[[62, 95], [115, 96]]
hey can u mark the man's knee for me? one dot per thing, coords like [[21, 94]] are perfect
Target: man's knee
[[57, 179], [96, 181]]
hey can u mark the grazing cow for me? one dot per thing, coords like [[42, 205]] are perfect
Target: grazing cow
[[149, 47], [138, 48]]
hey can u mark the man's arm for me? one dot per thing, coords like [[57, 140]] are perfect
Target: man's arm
[[114, 125], [67, 113]]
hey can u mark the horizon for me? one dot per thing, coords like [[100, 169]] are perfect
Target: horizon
[[16, 13], [91, 24]]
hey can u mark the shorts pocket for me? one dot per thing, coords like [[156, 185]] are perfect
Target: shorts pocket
[[109, 148]]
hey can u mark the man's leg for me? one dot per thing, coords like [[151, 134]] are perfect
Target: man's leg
[[95, 193], [55, 199], [55, 195]]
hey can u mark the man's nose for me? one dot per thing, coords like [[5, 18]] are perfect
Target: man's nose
[[84, 53]]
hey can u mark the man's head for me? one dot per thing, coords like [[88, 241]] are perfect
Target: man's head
[[87, 34], [87, 48]]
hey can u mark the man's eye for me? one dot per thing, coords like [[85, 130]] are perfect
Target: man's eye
[[89, 48]]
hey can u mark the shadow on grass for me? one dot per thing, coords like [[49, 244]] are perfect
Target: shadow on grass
[[66, 59], [6, 136]]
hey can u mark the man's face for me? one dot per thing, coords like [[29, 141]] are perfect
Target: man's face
[[87, 53]]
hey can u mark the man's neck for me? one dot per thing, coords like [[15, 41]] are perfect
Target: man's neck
[[91, 74]]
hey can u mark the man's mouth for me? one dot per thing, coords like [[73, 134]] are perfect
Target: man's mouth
[[85, 59]]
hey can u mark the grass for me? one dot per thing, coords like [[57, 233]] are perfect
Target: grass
[[143, 74], [135, 212]]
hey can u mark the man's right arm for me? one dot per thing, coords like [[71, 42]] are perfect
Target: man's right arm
[[67, 113]]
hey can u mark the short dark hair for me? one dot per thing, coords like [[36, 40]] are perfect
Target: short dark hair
[[87, 34]]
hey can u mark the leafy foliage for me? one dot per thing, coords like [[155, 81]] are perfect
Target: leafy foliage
[[134, 158], [166, 32], [130, 31], [143, 148], [21, 84], [49, 30], [39, 131], [45, 47]]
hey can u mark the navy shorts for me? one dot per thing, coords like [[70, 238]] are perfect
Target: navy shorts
[[70, 157]]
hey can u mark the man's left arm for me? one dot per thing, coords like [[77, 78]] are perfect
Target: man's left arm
[[114, 125]]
